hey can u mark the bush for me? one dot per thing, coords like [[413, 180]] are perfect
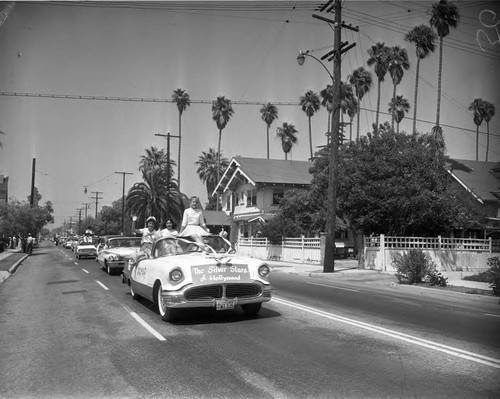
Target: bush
[[413, 266], [436, 278], [482, 277], [494, 274]]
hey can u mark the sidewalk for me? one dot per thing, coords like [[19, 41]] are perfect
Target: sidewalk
[[10, 259], [348, 269]]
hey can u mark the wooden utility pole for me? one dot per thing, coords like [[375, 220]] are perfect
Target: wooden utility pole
[[123, 198], [32, 199], [168, 136], [97, 198]]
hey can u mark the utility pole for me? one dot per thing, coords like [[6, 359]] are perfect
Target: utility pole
[[87, 206], [168, 136], [32, 199], [79, 231], [123, 198], [96, 198], [333, 169]]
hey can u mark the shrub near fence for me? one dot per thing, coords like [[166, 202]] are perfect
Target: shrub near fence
[[301, 250], [449, 254]]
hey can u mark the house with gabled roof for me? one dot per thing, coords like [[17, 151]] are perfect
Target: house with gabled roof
[[481, 180], [251, 189]]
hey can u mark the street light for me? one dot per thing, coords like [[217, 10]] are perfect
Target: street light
[[333, 169]]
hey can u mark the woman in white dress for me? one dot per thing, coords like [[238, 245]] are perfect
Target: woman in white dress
[[169, 230], [193, 221]]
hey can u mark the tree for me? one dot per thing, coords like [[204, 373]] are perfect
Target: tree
[[489, 112], [327, 102], [398, 63], [444, 15], [20, 218], [181, 98], [398, 107], [288, 136], [348, 103], [151, 197], [423, 37], [310, 103], [207, 169], [268, 113], [379, 58], [362, 82], [477, 108]]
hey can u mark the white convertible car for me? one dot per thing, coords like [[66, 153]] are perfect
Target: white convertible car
[[184, 274]]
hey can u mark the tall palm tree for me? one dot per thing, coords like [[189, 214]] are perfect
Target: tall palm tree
[[288, 136], [489, 112], [362, 82], [398, 107], [207, 168], [379, 58], [268, 113], [181, 98], [477, 108], [347, 101], [423, 37], [398, 63], [444, 15], [222, 111], [327, 101], [310, 103]]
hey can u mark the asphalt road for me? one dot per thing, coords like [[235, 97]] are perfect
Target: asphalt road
[[69, 330]]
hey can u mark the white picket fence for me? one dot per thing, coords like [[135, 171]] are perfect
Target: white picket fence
[[300, 250], [449, 254]]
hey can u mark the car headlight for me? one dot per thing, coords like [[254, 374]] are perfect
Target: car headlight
[[264, 271], [113, 258], [176, 275]]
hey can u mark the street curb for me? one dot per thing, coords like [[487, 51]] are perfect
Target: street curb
[[14, 267]]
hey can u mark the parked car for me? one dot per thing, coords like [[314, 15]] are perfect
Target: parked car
[[186, 274], [112, 251], [85, 249]]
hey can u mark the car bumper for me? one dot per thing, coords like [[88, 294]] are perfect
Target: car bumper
[[180, 299], [115, 265]]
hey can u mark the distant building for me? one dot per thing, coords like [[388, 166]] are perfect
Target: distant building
[[481, 180], [4, 189]]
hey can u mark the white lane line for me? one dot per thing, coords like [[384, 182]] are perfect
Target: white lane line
[[102, 285], [334, 286], [492, 315], [85, 270], [146, 325], [489, 361], [76, 263]]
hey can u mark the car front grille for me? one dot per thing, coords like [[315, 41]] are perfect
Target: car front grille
[[209, 292]]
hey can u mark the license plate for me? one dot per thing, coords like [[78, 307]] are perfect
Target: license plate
[[225, 304]]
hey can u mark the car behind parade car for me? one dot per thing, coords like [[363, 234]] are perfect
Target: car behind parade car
[[113, 250], [196, 272], [85, 249]]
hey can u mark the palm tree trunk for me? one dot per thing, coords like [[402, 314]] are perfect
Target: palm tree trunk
[[218, 166], [393, 97], [397, 127], [415, 97], [179, 157], [378, 105], [310, 140], [328, 129], [440, 70], [350, 129], [487, 139], [477, 143], [357, 117], [267, 141]]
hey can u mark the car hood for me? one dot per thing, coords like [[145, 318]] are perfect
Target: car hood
[[123, 251]]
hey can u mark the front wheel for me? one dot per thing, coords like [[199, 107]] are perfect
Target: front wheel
[[251, 309], [166, 313]]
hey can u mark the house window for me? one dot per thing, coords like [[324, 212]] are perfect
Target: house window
[[252, 197], [241, 200], [277, 196], [228, 203]]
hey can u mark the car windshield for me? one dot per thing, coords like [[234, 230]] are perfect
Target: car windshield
[[125, 242], [173, 246]]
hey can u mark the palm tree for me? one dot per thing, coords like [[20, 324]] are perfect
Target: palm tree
[[489, 112], [379, 57], [444, 15], [398, 63], [477, 107], [310, 103], [268, 113], [398, 107], [362, 82], [222, 110], [347, 102], [207, 169], [288, 136], [423, 37], [152, 197], [352, 110], [327, 102], [181, 98]]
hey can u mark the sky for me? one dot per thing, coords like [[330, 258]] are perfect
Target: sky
[[84, 87]]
